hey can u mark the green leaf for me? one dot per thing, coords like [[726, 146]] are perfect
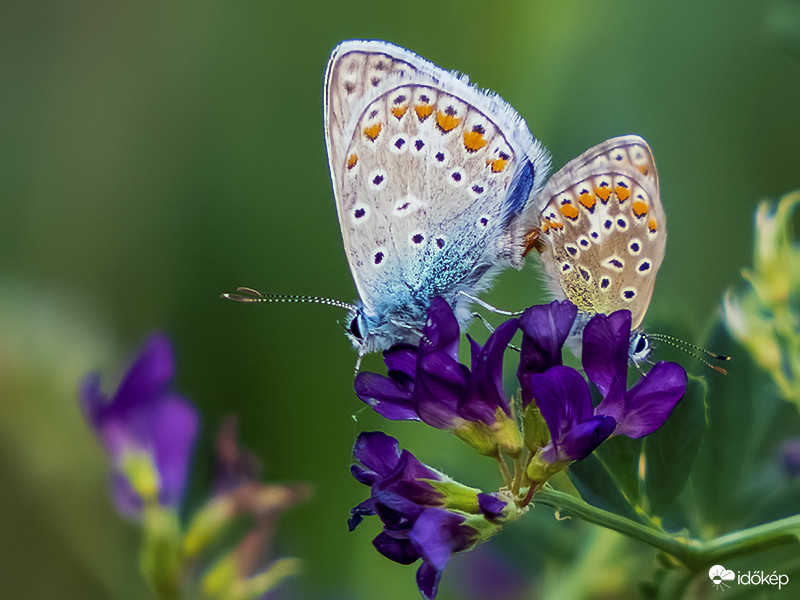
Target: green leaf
[[598, 484], [670, 452]]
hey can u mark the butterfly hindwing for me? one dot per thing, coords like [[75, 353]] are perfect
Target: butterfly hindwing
[[604, 228]]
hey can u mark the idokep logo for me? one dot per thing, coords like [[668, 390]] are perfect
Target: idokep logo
[[719, 575]]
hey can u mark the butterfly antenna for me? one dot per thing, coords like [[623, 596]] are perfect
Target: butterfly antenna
[[246, 294], [685, 346]]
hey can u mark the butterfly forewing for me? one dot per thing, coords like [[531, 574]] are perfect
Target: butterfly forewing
[[431, 176], [604, 229]]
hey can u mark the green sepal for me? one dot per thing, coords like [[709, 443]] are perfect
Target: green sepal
[[160, 557], [457, 496], [537, 435], [485, 528], [208, 525], [224, 581], [488, 440], [141, 473], [539, 471]]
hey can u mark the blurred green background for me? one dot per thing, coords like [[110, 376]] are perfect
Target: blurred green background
[[155, 155]]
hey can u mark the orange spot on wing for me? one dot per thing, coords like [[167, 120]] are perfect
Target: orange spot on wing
[[497, 164], [622, 193], [352, 160], [473, 141], [653, 225], [639, 208], [372, 131], [588, 200], [423, 111], [399, 111], [643, 169], [446, 121], [569, 211], [603, 192]]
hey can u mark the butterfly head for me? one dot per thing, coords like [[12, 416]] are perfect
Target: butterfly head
[[357, 328], [374, 333], [639, 348]]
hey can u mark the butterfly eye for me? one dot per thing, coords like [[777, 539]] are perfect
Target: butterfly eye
[[355, 329], [641, 345]]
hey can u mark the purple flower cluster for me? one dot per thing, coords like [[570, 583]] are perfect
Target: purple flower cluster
[[427, 383], [415, 503], [148, 431], [563, 397]]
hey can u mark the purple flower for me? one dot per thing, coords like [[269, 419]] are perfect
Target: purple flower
[[647, 405], [428, 383], [563, 397], [414, 503], [147, 429], [545, 328]]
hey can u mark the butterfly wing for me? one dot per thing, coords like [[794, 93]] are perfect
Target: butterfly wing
[[604, 228], [431, 176]]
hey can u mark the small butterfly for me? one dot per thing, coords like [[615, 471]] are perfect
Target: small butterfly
[[434, 181], [602, 235], [603, 232]]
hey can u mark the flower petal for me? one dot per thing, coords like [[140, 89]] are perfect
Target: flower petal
[[399, 550], [606, 339], [491, 507], [401, 358], [93, 401], [583, 439], [428, 578], [174, 424], [486, 393], [563, 398], [441, 332], [438, 533], [649, 403], [127, 501], [377, 451], [406, 484], [357, 513], [390, 397], [149, 375], [545, 328], [441, 381]]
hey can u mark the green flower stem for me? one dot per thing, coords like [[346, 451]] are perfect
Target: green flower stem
[[159, 556], [694, 554], [501, 464]]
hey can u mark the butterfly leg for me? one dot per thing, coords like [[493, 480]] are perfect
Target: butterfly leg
[[489, 326], [417, 331], [488, 306]]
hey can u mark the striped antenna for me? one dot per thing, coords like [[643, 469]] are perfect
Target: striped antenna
[[246, 294], [684, 346]]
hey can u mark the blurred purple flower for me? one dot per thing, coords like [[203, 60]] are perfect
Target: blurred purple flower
[[427, 382], [415, 526], [144, 419], [789, 457]]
